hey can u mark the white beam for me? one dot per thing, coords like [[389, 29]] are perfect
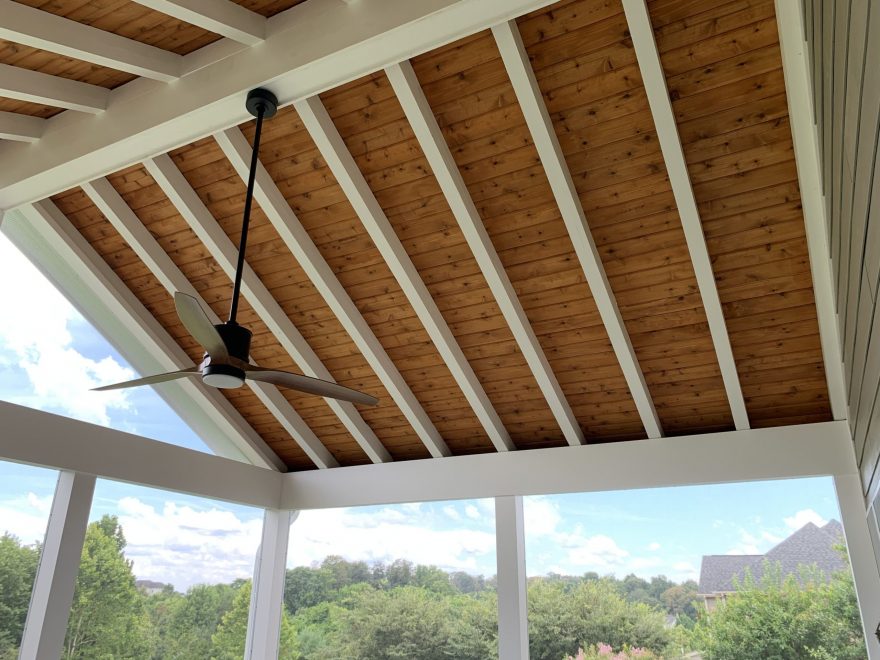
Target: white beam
[[46, 31], [806, 450], [187, 202], [642, 33], [20, 128], [55, 582], [418, 112], [342, 164], [37, 87], [861, 554], [531, 102], [53, 441], [267, 591], [222, 17], [796, 69], [510, 555], [300, 244], [138, 335], [124, 220], [146, 118]]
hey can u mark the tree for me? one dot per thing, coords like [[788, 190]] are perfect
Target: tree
[[780, 617], [306, 587], [679, 599], [229, 640], [562, 621], [183, 624], [108, 618], [18, 568]]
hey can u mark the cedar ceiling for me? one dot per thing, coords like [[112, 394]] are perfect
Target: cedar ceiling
[[723, 71]]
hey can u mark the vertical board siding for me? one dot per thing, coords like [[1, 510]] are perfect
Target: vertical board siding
[[849, 70], [727, 88]]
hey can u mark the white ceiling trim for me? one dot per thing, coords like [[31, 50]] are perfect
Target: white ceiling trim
[[21, 128], [36, 87], [639, 21], [46, 31], [299, 58], [297, 239], [221, 17], [141, 334], [199, 218], [129, 226], [531, 101], [332, 147], [424, 124]]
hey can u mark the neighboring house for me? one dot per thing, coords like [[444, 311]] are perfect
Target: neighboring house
[[150, 587], [809, 546]]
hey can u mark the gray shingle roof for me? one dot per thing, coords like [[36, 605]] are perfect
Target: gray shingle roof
[[810, 545]]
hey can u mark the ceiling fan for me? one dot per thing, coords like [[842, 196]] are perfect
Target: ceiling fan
[[227, 345]]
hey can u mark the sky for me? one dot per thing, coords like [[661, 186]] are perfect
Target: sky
[[50, 357]]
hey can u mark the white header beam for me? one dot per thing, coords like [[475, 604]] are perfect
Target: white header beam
[[639, 21], [531, 101], [412, 99], [46, 31], [776, 453], [40, 438], [222, 17], [37, 87], [806, 151], [354, 185]]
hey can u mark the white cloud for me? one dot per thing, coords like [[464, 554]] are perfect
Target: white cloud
[[25, 517], [654, 547], [598, 552], [451, 512], [803, 517], [540, 516], [472, 512], [39, 342]]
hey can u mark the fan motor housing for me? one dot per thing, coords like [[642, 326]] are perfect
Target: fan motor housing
[[236, 338]]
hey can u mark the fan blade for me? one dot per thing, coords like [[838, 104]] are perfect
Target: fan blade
[[150, 380], [199, 326], [309, 385]]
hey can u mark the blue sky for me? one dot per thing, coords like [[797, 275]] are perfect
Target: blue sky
[[50, 356]]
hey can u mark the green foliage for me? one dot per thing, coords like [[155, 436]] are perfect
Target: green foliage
[[782, 618], [562, 620], [18, 567], [229, 640], [108, 619]]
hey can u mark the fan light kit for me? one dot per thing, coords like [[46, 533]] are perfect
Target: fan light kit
[[227, 345]]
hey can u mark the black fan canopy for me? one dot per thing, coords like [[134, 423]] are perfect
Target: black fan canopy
[[227, 345]]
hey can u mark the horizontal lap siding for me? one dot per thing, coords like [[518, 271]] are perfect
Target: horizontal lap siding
[[119, 256], [379, 137], [477, 111], [589, 76], [295, 164], [724, 76]]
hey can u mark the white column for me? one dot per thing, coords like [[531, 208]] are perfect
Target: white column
[[510, 544], [267, 595], [52, 596], [861, 556]]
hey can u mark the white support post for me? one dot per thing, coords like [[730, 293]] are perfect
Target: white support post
[[267, 593], [52, 596], [510, 543], [866, 575]]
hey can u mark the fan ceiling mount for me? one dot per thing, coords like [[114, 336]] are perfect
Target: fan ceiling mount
[[227, 345]]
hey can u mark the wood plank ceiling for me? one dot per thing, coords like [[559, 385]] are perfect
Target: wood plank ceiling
[[723, 71]]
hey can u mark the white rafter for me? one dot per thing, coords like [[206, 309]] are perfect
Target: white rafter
[[46, 31], [124, 220], [415, 105], [531, 102], [37, 87], [20, 128], [351, 180], [222, 17], [138, 335], [298, 241], [639, 22], [806, 153], [199, 218], [299, 58]]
